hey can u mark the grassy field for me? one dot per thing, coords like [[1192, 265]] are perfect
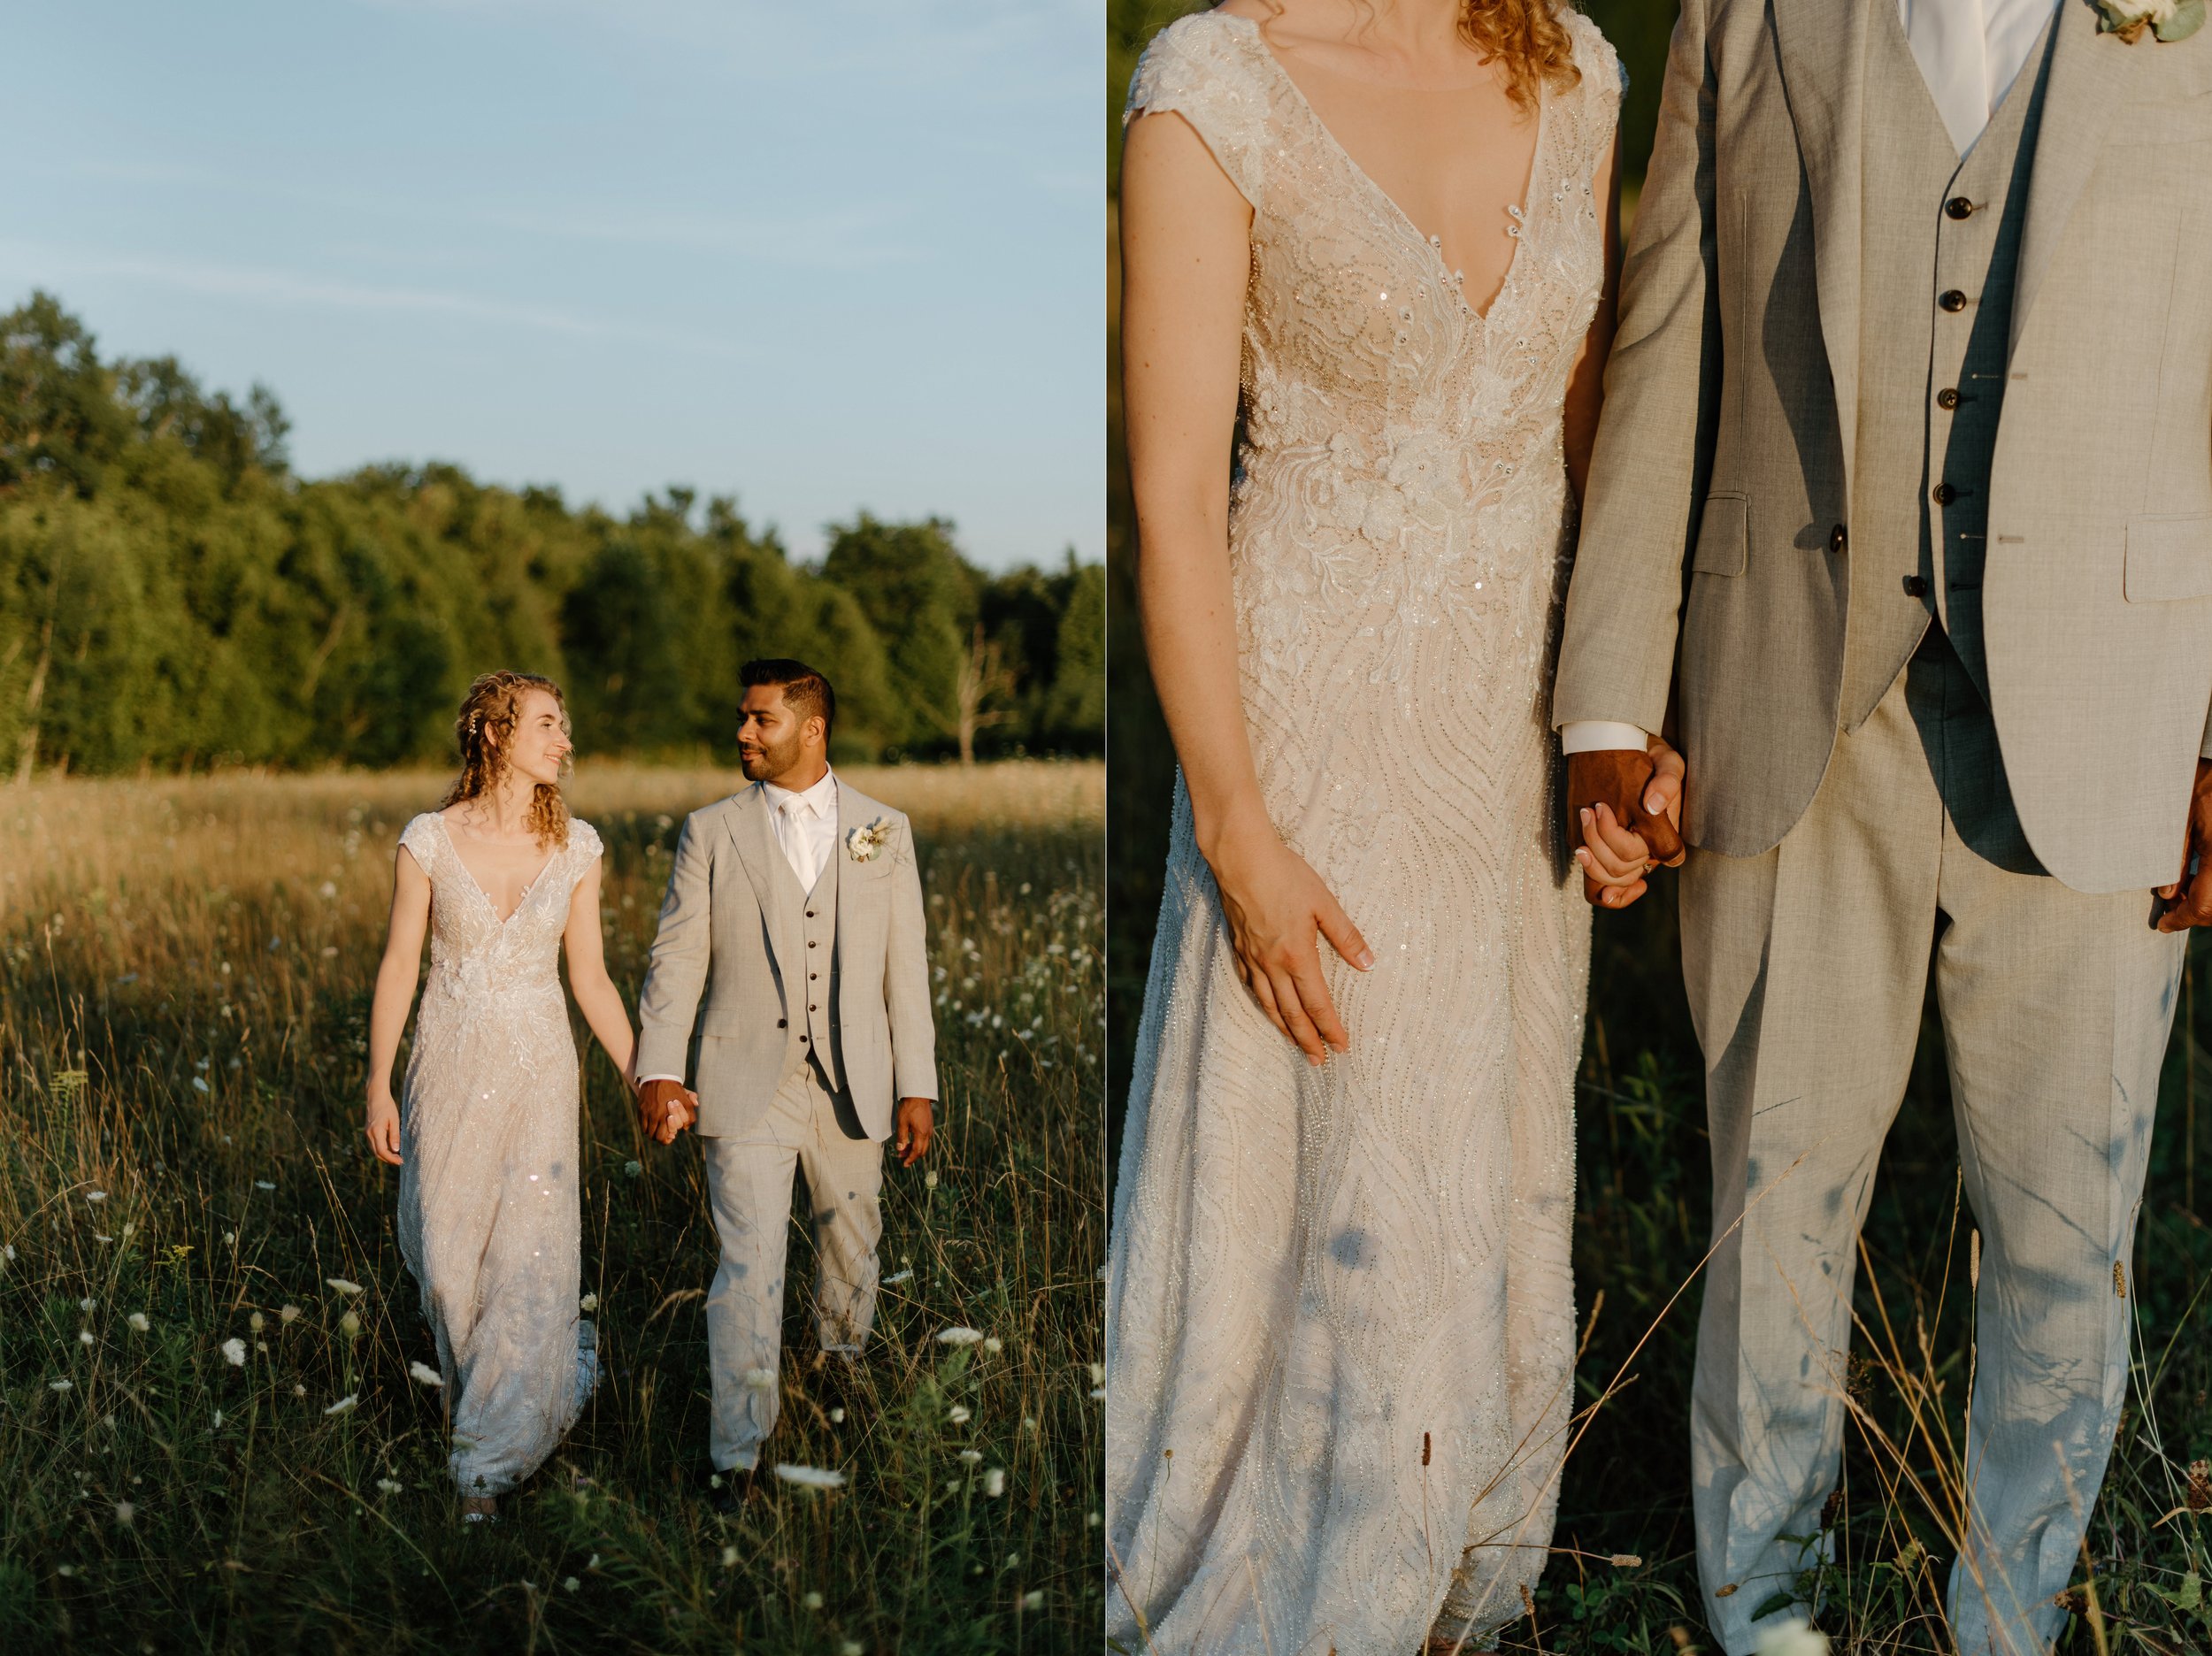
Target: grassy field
[[185, 969]]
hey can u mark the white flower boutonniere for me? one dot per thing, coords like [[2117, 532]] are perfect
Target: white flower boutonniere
[[2166, 19], [865, 843]]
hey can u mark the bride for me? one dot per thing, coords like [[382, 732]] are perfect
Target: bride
[[489, 1220], [1369, 249]]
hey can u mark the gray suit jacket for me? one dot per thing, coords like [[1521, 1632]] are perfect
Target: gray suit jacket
[[725, 998], [1731, 410]]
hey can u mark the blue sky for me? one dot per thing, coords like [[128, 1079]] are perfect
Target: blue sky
[[824, 255]]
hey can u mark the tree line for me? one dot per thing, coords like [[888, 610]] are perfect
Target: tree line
[[172, 595]]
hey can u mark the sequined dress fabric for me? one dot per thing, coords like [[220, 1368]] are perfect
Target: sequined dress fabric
[[490, 1217], [1339, 1308]]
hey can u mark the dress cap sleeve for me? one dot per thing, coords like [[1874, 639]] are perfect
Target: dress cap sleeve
[[1207, 69], [420, 839]]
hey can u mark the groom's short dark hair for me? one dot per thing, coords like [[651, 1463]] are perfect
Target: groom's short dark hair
[[805, 692]]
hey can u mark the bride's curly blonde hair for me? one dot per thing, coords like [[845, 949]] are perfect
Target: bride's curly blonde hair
[[484, 731], [1530, 37]]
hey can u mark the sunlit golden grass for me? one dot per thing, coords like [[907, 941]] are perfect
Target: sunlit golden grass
[[184, 977]]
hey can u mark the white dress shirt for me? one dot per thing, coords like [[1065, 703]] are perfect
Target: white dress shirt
[[1970, 53], [805, 825]]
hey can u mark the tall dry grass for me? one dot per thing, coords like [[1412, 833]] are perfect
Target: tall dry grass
[[185, 969]]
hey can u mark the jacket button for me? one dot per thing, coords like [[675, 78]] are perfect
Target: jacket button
[[1943, 493], [809, 913], [1948, 398], [1916, 586], [1953, 300], [1959, 207], [809, 942], [1838, 539], [811, 1007], [810, 977]]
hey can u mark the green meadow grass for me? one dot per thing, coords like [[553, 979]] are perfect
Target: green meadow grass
[[185, 970]]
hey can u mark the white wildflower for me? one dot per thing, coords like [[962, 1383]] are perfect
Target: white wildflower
[[344, 1405], [199, 1083], [262, 1184], [958, 1336], [349, 1324], [388, 1486], [632, 1169], [852, 1647], [287, 1312], [57, 1385], [95, 1195], [257, 1322], [894, 1277], [84, 1337], [125, 1512], [994, 1481], [570, 1584], [1792, 1637], [837, 1417], [994, 1345], [298, 1389], [137, 1320], [812, 1601], [589, 1302], [219, 1420], [957, 1414], [344, 1287], [1034, 1600], [1098, 1374], [235, 1352], [971, 1456], [425, 1373], [1090, 1521], [811, 1477], [929, 1179], [729, 1558], [87, 1303]]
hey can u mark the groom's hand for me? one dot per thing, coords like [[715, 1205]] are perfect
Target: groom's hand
[[1624, 814], [2189, 898], [917, 1126], [662, 1111]]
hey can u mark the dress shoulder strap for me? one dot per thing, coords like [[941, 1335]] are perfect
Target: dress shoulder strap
[[424, 837], [1210, 69]]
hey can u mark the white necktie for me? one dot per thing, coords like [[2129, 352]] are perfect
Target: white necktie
[[798, 848], [1949, 41]]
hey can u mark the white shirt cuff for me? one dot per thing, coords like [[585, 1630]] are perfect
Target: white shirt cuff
[[1596, 735], [679, 1080]]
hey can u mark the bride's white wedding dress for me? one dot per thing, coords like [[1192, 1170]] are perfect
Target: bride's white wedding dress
[[1340, 1312], [490, 1221]]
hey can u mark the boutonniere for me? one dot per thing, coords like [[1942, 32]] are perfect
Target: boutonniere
[[2167, 19], [865, 843]]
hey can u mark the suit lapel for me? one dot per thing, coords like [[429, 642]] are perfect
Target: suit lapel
[[763, 860], [1822, 44], [2089, 81]]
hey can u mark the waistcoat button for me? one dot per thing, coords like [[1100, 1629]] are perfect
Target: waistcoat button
[[1948, 397], [1953, 300], [1944, 493], [1916, 586], [1959, 207], [1838, 540], [780, 1023]]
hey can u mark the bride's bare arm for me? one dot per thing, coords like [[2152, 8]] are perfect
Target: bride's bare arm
[[396, 979], [1585, 386], [596, 996], [1185, 246]]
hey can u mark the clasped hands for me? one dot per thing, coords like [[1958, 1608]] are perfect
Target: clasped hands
[[1624, 819], [664, 1108]]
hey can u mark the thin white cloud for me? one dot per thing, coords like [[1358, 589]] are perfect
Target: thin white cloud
[[38, 262]]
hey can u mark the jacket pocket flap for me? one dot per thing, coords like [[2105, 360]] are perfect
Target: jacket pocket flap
[[1723, 538], [2168, 558]]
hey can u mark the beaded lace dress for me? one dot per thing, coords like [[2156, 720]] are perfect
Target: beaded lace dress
[[1339, 1308], [490, 1221]]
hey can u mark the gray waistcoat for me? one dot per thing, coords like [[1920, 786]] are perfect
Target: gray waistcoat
[[1931, 378], [814, 916]]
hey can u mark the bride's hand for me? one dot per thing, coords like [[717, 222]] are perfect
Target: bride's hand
[[1275, 904], [383, 1128]]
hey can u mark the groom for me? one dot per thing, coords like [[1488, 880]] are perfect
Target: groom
[[1902, 506], [789, 977]]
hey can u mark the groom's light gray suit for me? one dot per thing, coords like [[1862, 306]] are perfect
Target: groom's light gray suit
[[802, 1017], [1903, 491]]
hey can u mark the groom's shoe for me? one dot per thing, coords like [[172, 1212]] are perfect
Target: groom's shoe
[[728, 1489]]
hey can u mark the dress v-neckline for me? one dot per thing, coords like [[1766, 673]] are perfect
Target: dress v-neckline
[[1454, 282], [477, 885]]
